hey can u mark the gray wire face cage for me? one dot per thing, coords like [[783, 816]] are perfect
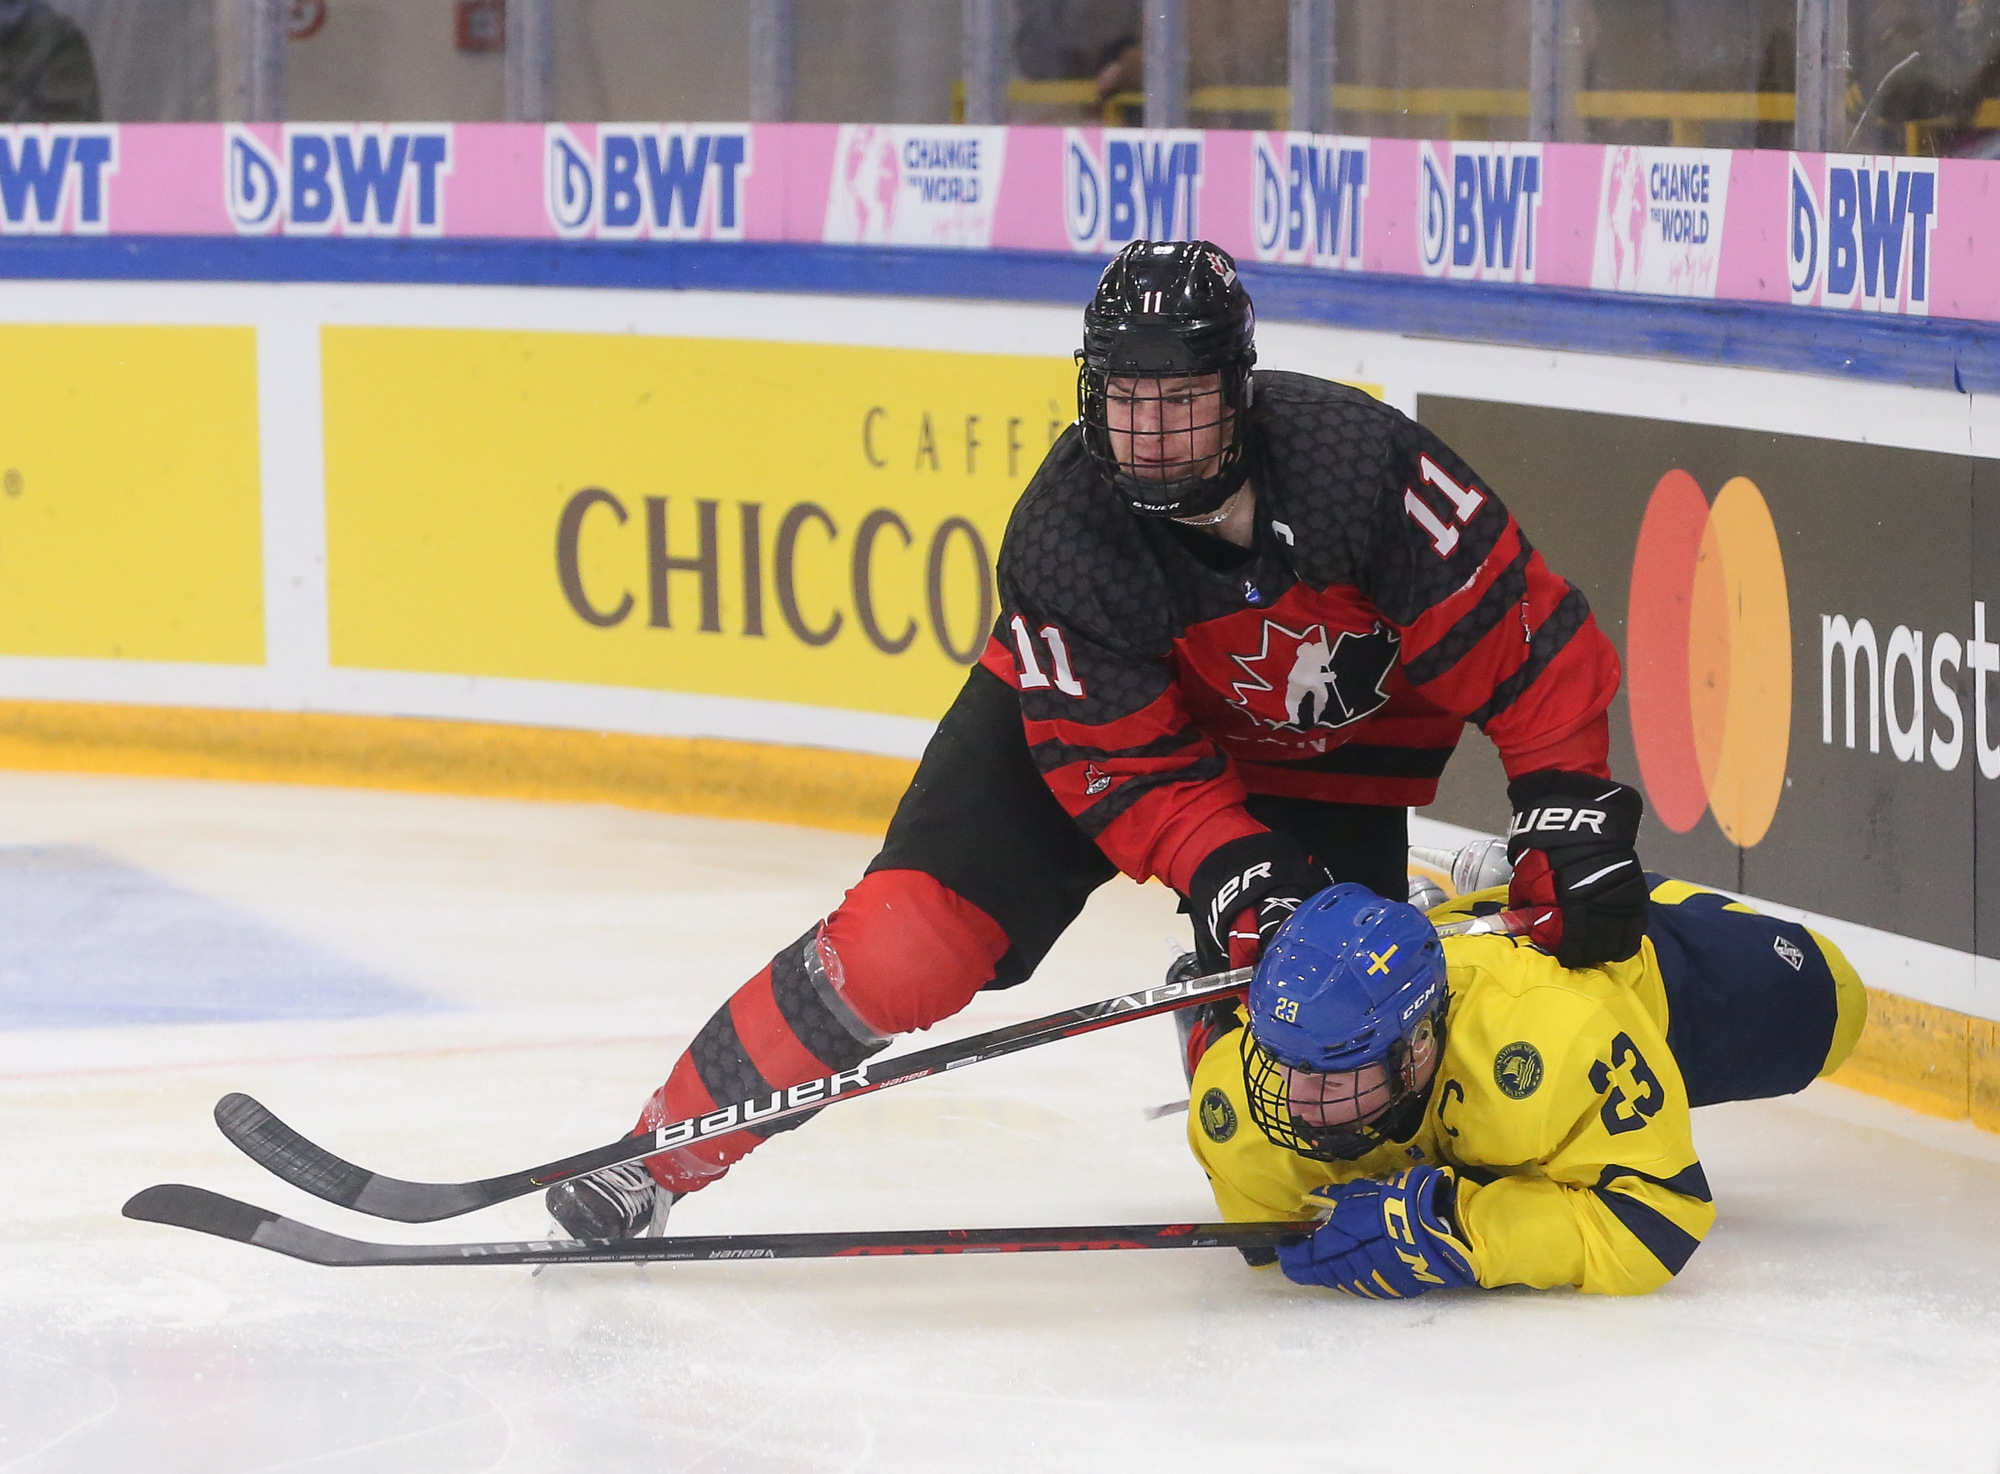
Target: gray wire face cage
[[1164, 312], [1273, 1097]]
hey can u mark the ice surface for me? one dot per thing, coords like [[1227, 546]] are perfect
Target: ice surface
[[94, 941], [1844, 1314]]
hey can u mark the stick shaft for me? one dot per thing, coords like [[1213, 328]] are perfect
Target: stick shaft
[[287, 1154], [197, 1209]]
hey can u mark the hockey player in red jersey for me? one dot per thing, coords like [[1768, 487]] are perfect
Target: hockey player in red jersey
[[1245, 617]]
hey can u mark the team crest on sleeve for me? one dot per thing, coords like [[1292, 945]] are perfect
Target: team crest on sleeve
[[1095, 780], [1218, 1116], [1300, 679], [1517, 1070]]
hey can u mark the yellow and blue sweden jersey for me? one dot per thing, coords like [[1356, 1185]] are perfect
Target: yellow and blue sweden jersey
[[1563, 1096]]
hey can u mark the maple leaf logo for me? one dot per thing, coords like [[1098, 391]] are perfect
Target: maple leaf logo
[[1313, 681]]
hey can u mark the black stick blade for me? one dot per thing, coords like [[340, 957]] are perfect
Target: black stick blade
[[178, 1206]]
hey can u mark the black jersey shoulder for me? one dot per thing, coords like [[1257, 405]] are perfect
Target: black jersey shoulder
[[1074, 551], [1329, 458]]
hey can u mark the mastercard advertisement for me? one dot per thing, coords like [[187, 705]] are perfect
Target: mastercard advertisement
[[1811, 695]]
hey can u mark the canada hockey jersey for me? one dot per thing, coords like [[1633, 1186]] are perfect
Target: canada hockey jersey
[[1562, 1097], [1389, 598]]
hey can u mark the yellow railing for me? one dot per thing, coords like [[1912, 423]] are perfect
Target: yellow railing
[[1686, 113], [1920, 136]]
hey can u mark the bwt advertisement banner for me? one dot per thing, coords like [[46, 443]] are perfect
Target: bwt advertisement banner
[[1880, 234], [1811, 635]]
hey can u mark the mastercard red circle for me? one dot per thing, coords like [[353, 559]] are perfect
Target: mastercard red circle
[[1709, 658], [1659, 617]]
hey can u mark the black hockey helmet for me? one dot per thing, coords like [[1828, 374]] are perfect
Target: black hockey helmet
[[1168, 310]]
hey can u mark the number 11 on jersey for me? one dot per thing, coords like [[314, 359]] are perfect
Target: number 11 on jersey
[[1033, 678], [1465, 500]]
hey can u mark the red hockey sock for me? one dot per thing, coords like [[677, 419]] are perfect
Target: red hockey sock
[[900, 953]]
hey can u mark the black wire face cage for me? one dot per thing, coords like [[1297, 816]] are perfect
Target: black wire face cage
[[1276, 1090], [1180, 465]]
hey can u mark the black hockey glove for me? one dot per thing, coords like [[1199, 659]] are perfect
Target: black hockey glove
[[1243, 892], [1572, 846]]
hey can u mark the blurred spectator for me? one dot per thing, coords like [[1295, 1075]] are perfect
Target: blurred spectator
[[1123, 71], [1926, 77], [1059, 39], [1238, 43], [1697, 46], [1078, 40], [46, 74], [1959, 131], [1231, 43]]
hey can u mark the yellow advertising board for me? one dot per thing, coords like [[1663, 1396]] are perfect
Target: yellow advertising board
[[130, 516], [780, 521]]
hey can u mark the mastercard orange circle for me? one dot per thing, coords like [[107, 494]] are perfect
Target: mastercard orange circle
[[1709, 658]]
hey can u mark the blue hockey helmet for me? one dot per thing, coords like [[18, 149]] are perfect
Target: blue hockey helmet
[[1346, 1021]]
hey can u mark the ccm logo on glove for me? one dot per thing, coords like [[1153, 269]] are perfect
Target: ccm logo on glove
[[1384, 1240]]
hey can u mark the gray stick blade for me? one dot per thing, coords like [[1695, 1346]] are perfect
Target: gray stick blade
[[278, 1149], [284, 1153]]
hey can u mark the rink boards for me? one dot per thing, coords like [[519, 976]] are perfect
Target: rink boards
[[757, 530]]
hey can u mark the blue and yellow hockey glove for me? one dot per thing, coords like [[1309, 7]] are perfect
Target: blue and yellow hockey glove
[[1384, 1240]]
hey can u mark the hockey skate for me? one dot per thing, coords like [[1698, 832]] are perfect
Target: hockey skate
[[621, 1202]]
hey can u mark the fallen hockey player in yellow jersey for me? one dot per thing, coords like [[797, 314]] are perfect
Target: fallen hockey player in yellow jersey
[[1465, 1110]]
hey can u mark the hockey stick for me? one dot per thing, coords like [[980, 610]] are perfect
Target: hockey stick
[[205, 1212], [285, 1153]]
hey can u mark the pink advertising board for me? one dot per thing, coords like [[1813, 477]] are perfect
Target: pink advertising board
[[1874, 234]]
